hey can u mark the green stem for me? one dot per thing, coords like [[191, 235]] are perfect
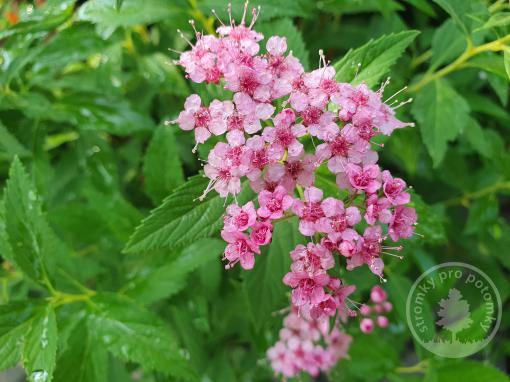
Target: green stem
[[464, 200], [420, 367], [421, 58], [471, 51], [60, 299]]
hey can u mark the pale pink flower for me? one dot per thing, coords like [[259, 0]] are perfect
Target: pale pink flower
[[363, 178], [255, 81], [195, 117], [273, 204], [307, 289], [337, 219], [255, 157], [309, 211], [201, 63], [311, 258], [240, 249], [284, 135], [296, 170], [225, 169], [240, 218]]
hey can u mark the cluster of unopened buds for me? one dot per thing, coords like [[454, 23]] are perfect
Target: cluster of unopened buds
[[281, 125], [375, 313]]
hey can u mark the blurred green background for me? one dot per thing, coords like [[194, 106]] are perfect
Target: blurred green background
[[85, 87]]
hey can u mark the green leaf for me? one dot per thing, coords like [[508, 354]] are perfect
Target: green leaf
[[158, 70], [466, 14], [9, 144], [11, 347], [48, 17], [41, 346], [431, 221], [36, 249], [109, 16], [370, 359], [162, 166], [447, 44], [84, 360], [442, 114], [467, 370], [424, 6], [497, 20], [490, 63], [263, 285], [14, 323], [506, 60], [350, 6], [99, 113], [476, 138], [270, 9], [134, 334], [286, 28], [182, 218], [375, 58], [70, 46], [162, 282]]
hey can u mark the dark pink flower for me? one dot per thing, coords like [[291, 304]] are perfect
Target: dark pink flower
[[261, 233], [394, 189], [367, 325], [377, 209], [402, 223], [273, 204]]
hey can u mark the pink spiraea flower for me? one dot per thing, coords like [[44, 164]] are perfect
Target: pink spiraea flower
[[309, 211], [240, 248], [280, 125], [273, 204]]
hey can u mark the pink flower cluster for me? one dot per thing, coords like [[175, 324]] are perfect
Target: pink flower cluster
[[376, 311], [277, 114], [299, 350]]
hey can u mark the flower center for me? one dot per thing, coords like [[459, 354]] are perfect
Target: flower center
[[274, 204], [339, 146], [202, 117], [248, 83], [284, 137], [311, 115], [312, 211], [235, 122], [294, 169]]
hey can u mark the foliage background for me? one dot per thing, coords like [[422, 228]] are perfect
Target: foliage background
[[84, 89]]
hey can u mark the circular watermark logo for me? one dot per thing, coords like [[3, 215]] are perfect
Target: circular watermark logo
[[453, 310]]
